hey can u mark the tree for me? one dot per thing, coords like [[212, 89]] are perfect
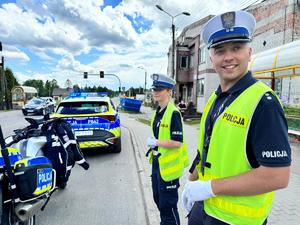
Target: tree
[[133, 91], [53, 85], [68, 83], [76, 88], [38, 84], [11, 81], [94, 89], [43, 89], [47, 88]]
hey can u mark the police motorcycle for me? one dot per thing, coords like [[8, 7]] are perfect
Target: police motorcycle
[[27, 177], [26, 183]]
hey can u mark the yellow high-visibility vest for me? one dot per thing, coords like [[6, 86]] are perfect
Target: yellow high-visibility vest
[[172, 161], [227, 156]]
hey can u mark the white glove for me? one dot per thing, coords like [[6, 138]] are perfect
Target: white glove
[[196, 191], [151, 142]]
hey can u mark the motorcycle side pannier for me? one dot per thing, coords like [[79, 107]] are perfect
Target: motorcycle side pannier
[[33, 176]]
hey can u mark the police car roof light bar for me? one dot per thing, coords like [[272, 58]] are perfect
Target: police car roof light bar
[[87, 94]]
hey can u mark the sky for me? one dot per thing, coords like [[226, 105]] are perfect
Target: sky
[[61, 39]]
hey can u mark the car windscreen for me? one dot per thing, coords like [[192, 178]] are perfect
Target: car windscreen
[[82, 107], [36, 101]]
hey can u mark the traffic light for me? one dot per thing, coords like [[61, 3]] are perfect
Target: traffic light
[[85, 75], [101, 74]]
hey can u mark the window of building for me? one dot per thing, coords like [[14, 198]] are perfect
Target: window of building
[[202, 55], [184, 62], [200, 87], [191, 61]]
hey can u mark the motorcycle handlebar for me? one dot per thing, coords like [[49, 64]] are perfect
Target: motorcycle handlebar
[[26, 132], [31, 130]]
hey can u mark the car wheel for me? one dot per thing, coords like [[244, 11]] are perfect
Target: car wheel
[[118, 147], [25, 113]]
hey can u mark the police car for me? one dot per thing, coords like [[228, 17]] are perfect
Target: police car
[[94, 119]]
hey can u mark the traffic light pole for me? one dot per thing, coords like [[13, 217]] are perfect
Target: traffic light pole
[[106, 74], [114, 75], [3, 85]]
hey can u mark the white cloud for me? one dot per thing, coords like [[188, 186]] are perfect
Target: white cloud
[[68, 63], [11, 52], [22, 29], [43, 56], [70, 28]]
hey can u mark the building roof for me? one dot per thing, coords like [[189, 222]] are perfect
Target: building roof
[[62, 91], [26, 89]]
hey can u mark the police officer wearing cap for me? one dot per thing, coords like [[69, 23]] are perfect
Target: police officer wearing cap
[[167, 153], [243, 149]]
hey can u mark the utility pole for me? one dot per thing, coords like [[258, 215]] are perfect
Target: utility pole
[[173, 36], [145, 89], [173, 49], [6, 95], [2, 87], [142, 68]]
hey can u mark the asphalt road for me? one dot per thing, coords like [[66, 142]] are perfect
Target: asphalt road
[[107, 194]]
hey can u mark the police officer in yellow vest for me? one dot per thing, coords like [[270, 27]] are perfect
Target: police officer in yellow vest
[[168, 153], [243, 143]]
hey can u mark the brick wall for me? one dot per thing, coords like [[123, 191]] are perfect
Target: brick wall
[[278, 23], [297, 23]]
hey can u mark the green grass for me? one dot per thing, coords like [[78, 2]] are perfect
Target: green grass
[[128, 112], [293, 123], [144, 121], [189, 122], [292, 111], [292, 114], [192, 121]]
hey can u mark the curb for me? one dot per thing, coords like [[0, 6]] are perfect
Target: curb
[[150, 213]]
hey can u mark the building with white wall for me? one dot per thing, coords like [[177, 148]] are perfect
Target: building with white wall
[[278, 23]]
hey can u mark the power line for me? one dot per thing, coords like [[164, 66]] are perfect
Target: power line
[[163, 65]]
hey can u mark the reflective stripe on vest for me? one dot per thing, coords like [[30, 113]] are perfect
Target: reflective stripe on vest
[[227, 150], [171, 161]]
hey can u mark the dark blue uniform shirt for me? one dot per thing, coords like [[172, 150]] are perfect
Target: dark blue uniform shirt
[[176, 125], [267, 141]]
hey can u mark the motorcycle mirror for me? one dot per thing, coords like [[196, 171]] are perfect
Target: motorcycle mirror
[[32, 122]]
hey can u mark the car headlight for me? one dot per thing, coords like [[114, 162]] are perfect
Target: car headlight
[[39, 107]]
